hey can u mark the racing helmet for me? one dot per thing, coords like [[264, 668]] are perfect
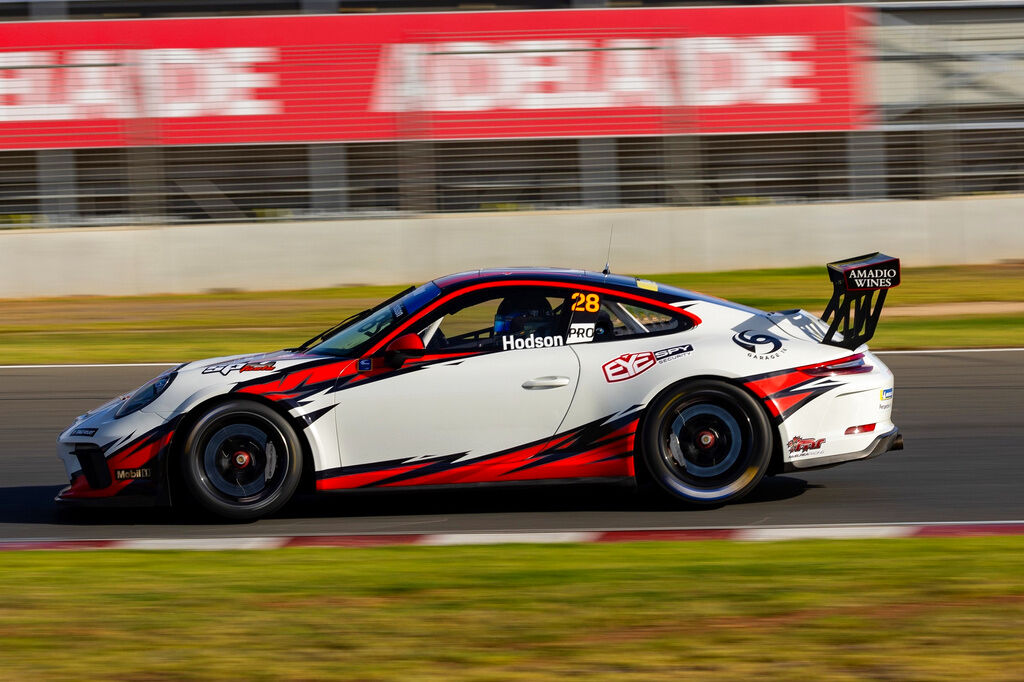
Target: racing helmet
[[524, 313]]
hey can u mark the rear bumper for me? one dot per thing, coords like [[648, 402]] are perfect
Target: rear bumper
[[886, 442]]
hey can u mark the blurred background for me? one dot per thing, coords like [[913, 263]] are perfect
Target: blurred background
[[216, 150], [160, 112]]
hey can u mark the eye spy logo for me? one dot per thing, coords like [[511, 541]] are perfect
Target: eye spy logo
[[628, 366], [759, 344], [240, 367], [798, 445], [632, 364], [672, 353]]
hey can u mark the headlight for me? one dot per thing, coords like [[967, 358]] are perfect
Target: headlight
[[145, 395]]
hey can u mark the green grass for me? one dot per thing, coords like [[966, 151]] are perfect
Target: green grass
[[809, 287], [182, 327], [989, 331], [824, 610], [141, 346]]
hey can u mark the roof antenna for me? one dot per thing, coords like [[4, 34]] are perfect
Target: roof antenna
[[608, 261]]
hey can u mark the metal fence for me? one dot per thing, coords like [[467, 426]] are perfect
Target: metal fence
[[940, 113]]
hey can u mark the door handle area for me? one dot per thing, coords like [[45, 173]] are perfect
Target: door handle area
[[546, 382]]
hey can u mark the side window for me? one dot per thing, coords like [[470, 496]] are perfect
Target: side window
[[620, 320], [508, 318]]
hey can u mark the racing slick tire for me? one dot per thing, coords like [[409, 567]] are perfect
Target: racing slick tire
[[706, 442], [241, 460]]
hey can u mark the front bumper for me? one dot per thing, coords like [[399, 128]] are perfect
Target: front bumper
[[121, 459]]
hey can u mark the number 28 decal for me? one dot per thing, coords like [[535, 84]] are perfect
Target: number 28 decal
[[585, 303]]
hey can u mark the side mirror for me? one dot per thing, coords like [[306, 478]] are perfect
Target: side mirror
[[401, 349]]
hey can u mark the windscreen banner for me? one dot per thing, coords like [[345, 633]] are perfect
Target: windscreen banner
[[431, 76]]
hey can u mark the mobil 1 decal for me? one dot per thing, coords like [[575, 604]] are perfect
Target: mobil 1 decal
[[584, 307]]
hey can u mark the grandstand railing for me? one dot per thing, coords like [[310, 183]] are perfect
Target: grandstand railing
[[213, 119]]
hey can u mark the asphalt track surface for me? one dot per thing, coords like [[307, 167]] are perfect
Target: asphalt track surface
[[962, 415]]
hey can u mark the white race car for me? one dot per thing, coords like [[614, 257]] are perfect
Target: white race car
[[500, 376]]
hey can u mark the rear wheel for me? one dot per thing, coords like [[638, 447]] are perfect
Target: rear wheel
[[707, 442], [241, 460]]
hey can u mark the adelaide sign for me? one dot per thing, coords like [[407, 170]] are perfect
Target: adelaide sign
[[450, 76]]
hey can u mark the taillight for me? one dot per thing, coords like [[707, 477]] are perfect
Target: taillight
[[866, 428], [851, 364]]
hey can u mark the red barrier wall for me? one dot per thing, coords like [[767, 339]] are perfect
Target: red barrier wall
[[490, 75]]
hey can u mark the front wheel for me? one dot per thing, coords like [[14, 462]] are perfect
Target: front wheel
[[707, 442], [241, 460]]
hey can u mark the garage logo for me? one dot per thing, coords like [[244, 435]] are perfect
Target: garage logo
[[753, 342], [628, 366], [759, 344]]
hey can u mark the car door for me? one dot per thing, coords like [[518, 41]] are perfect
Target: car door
[[624, 351], [476, 393]]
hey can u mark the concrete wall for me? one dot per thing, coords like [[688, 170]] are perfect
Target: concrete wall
[[262, 256]]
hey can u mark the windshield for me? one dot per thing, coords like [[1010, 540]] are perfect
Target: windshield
[[353, 339]]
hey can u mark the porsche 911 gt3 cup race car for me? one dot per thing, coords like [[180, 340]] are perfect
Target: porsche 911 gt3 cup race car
[[501, 376]]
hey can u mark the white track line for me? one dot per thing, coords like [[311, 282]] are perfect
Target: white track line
[[203, 544], [867, 532], [446, 539], [848, 532], [571, 534]]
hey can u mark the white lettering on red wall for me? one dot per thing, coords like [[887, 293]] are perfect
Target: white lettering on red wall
[[593, 74], [115, 84], [442, 76]]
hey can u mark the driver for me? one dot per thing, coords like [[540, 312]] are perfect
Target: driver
[[524, 314]]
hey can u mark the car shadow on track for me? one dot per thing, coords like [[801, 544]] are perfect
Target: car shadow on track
[[35, 505], [490, 500]]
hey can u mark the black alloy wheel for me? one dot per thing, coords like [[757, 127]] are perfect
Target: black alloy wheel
[[242, 460], [707, 442]]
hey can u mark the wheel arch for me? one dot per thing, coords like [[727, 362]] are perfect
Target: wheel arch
[[171, 474], [640, 468]]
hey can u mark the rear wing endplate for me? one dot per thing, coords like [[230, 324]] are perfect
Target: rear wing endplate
[[854, 310]]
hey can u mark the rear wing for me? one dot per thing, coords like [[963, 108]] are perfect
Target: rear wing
[[853, 308]]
